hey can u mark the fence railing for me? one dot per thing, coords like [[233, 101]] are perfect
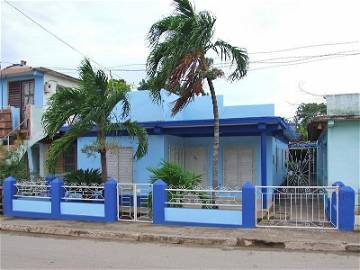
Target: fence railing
[[297, 206], [135, 202], [83, 193], [32, 190], [204, 198]]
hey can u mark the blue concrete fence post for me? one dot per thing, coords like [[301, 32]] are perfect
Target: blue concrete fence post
[[57, 192], [331, 207], [248, 205], [159, 200], [110, 204], [9, 190], [346, 209]]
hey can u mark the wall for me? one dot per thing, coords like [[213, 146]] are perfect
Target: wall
[[344, 153], [200, 108], [51, 82], [253, 141], [277, 163], [156, 153], [343, 104], [321, 158]]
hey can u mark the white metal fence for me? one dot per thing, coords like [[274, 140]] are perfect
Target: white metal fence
[[204, 198], [297, 206], [135, 202], [38, 190], [83, 193]]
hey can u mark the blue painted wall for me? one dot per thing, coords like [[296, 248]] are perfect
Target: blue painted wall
[[209, 216], [200, 108], [82, 209], [156, 153], [277, 165], [32, 205], [343, 145]]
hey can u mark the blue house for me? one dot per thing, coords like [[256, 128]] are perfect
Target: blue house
[[253, 142]]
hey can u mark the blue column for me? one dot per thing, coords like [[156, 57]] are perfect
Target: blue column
[[248, 205], [159, 200], [57, 192], [39, 89], [9, 190], [263, 167], [346, 209], [110, 204]]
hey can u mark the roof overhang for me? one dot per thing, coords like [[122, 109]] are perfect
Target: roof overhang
[[249, 126], [320, 123]]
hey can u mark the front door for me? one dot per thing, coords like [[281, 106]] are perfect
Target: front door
[[238, 165], [196, 160], [120, 164]]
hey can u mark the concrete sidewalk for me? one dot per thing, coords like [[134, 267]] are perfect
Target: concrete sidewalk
[[295, 239]]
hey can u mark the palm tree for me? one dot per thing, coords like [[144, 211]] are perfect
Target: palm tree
[[89, 106], [178, 60]]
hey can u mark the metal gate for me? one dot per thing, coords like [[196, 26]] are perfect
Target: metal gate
[[135, 202], [297, 206]]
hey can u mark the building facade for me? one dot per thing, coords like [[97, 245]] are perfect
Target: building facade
[[253, 142], [25, 94]]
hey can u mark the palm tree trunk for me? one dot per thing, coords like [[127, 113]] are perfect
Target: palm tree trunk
[[102, 142], [215, 167], [103, 165]]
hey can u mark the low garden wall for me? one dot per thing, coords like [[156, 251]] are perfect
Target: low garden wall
[[55, 200]]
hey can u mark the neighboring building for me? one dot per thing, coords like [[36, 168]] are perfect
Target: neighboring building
[[338, 136], [25, 93], [253, 142]]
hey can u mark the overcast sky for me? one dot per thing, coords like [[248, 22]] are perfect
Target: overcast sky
[[113, 34]]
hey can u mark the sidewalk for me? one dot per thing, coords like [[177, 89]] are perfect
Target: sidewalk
[[295, 239]]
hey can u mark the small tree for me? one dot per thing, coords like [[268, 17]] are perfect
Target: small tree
[[90, 106], [304, 113], [179, 62]]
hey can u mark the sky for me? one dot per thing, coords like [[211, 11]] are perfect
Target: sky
[[113, 33]]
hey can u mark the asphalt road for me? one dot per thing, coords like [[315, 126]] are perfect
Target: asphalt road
[[40, 252]]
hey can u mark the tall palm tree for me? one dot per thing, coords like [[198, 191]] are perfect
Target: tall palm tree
[[178, 61], [89, 106]]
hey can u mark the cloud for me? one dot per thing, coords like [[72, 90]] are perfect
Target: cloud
[[113, 33]]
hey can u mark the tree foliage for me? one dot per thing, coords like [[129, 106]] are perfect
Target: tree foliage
[[179, 60], [90, 106], [174, 175], [304, 114]]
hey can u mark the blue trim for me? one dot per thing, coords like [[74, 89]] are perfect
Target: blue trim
[[83, 218], [31, 214], [247, 126], [263, 167]]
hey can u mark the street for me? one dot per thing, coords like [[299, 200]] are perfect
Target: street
[[41, 252]]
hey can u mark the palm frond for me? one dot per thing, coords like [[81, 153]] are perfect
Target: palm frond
[[134, 130], [63, 106], [237, 56], [64, 142]]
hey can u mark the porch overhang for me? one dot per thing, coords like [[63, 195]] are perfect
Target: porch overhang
[[249, 126]]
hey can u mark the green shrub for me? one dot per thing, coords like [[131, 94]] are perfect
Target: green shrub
[[88, 176], [13, 164], [174, 175]]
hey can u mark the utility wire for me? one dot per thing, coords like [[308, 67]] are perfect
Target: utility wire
[[52, 34], [305, 47]]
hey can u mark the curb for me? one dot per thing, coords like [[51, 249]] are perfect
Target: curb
[[222, 242]]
